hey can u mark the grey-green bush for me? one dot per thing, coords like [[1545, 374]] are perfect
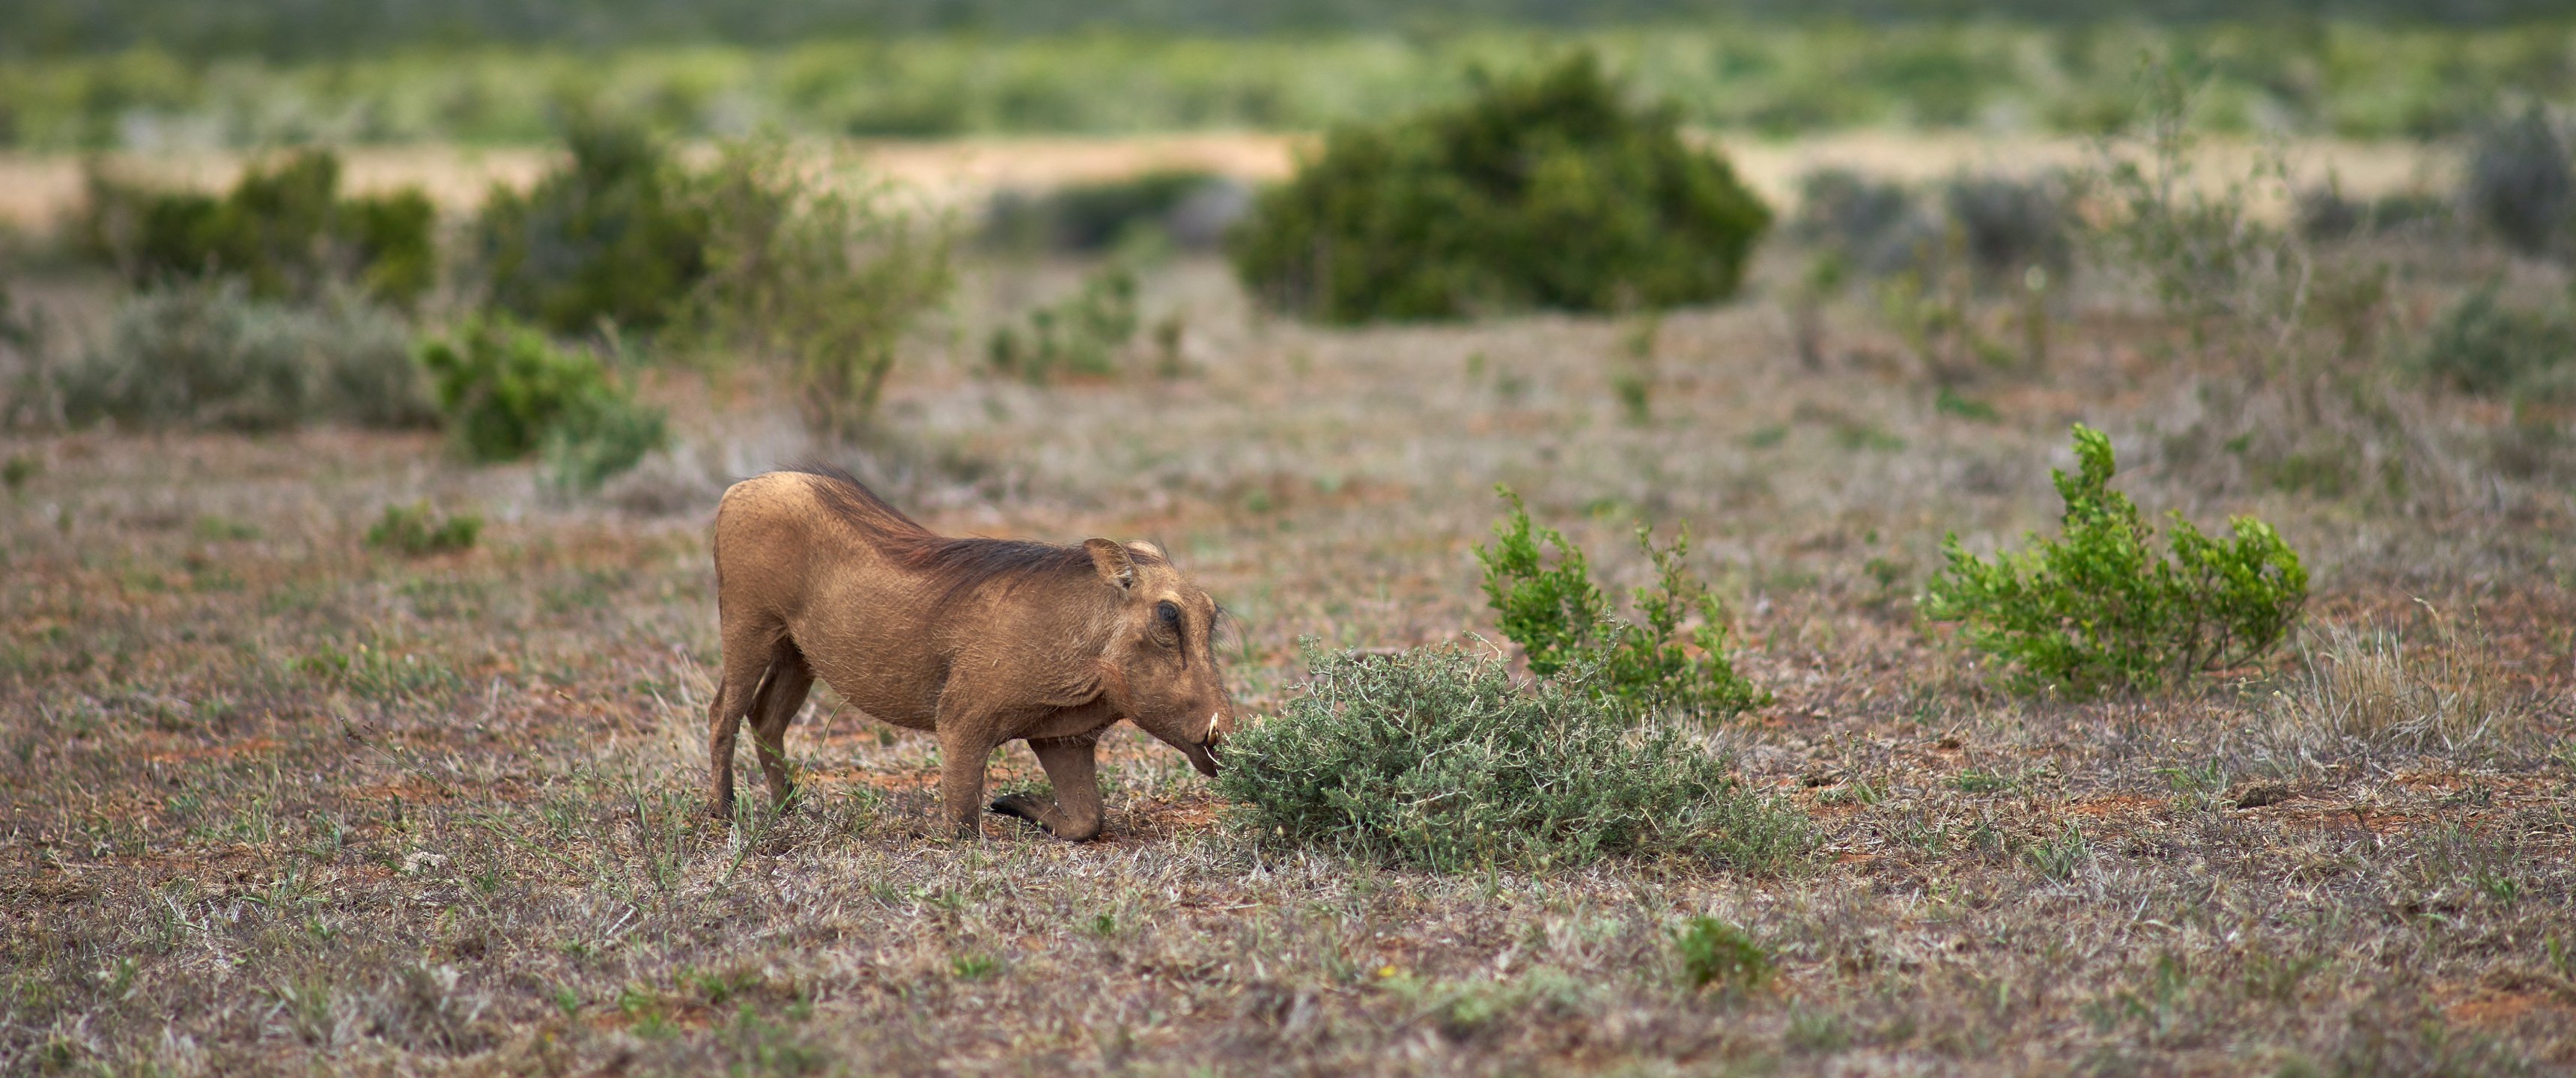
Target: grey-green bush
[[210, 356], [2482, 346], [1546, 190], [1436, 757], [2521, 184]]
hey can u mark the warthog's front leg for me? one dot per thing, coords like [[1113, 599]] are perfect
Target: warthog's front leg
[[1072, 768], [963, 748]]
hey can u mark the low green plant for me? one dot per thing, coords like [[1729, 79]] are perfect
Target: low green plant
[[1082, 334], [417, 530], [1562, 621], [1715, 954], [1545, 190], [507, 393], [211, 355], [2099, 610], [283, 231], [1436, 757]]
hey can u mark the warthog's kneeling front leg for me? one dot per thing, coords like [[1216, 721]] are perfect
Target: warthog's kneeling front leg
[[1071, 768]]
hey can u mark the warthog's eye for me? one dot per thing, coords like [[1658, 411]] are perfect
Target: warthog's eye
[[1167, 621]]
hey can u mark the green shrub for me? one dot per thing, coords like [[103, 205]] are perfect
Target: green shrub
[[2098, 609], [1563, 622], [2483, 347], [417, 530], [821, 273], [1082, 334], [1435, 757], [1544, 191], [211, 356], [283, 231], [507, 393], [612, 235], [1717, 954]]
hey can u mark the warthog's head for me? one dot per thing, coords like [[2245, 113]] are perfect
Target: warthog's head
[[1160, 658]]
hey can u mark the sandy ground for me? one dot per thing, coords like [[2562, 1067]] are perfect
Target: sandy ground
[[35, 189]]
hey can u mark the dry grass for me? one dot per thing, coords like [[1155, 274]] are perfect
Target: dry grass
[[277, 802]]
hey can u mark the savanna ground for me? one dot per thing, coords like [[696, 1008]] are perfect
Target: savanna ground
[[279, 801]]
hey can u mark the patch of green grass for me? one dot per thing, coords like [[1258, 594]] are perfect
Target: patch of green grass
[[1950, 403], [1718, 955], [418, 530]]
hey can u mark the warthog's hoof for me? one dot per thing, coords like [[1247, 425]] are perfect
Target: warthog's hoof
[[1020, 805]]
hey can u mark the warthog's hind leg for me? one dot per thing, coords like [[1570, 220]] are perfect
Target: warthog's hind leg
[[749, 654], [1072, 768], [781, 695]]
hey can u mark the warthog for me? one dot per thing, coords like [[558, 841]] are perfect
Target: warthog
[[980, 641]]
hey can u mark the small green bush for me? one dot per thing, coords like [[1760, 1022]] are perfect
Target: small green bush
[[2098, 609], [1719, 955], [1436, 758], [2483, 347], [211, 356], [1544, 191], [418, 530], [507, 393], [1082, 334], [283, 231], [613, 235], [1562, 621]]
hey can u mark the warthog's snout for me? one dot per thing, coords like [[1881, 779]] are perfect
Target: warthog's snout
[[1202, 754]]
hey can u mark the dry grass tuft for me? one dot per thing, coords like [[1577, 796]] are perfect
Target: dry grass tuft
[[2366, 690]]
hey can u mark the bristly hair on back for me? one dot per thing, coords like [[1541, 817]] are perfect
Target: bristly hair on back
[[962, 563]]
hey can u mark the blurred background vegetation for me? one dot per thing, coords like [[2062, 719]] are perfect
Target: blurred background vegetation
[[164, 74]]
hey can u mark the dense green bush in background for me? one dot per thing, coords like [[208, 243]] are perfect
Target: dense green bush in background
[[2098, 609], [283, 230], [1545, 190], [1435, 757], [508, 393], [209, 355], [1562, 621], [611, 236]]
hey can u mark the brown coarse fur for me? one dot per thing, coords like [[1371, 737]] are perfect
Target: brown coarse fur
[[979, 641]]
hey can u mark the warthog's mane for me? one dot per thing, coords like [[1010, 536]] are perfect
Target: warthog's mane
[[958, 564]]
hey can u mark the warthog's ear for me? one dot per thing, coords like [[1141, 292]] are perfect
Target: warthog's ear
[[1113, 562], [1150, 549]]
